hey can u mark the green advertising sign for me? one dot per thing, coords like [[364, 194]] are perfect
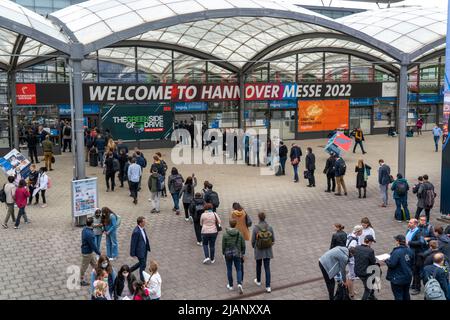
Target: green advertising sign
[[138, 122]]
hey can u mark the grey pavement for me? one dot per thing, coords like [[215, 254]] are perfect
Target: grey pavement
[[35, 259]]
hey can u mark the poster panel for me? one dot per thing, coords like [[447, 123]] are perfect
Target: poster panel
[[323, 115], [84, 197], [13, 161]]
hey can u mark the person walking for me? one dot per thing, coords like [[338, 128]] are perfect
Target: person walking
[[263, 239], [364, 259], [175, 184], [164, 167], [187, 194], [43, 183], [233, 249], [244, 222], [100, 145], [416, 242], [134, 176], [400, 269], [339, 238], [210, 223], [196, 210], [123, 285], [154, 284], [295, 156], [310, 163], [400, 188], [419, 125], [384, 179], [212, 197], [111, 166], [88, 248], [437, 133], [32, 142], [110, 224], [33, 182], [282, 153], [10, 191], [427, 194], [359, 138], [333, 264], [154, 185], [67, 137], [123, 160], [140, 246], [21, 196], [98, 228], [339, 171], [47, 147], [330, 173], [415, 191], [362, 174]]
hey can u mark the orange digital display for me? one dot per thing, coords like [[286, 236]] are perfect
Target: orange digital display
[[323, 115]]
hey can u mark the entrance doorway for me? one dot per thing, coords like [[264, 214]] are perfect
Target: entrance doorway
[[188, 117], [284, 121], [362, 118]]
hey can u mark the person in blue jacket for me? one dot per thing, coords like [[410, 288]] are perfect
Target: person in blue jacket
[[88, 248], [100, 144], [140, 246], [400, 269], [109, 221], [438, 272]]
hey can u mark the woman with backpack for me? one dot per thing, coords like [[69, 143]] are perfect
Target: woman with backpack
[[187, 194], [263, 240], [32, 182], [175, 183], [210, 223], [363, 172], [154, 185], [400, 188], [196, 210], [243, 223], [110, 223], [110, 171]]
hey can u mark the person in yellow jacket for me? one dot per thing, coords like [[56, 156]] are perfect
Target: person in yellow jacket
[[359, 138], [243, 223]]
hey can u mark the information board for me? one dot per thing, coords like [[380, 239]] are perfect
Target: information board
[[84, 197]]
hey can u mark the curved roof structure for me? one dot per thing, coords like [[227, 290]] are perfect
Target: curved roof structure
[[234, 34], [26, 33]]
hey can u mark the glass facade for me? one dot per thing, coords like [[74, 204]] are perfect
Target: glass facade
[[46, 6]]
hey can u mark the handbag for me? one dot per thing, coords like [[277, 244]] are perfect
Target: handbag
[[391, 179], [248, 221], [306, 174], [53, 160], [295, 162], [218, 226]]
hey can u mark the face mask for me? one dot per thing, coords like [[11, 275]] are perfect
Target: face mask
[[104, 265], [125, 274], [105, 279]]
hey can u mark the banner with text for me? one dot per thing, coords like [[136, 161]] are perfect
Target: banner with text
[[323, 115]]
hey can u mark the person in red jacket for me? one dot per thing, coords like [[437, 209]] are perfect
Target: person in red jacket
[[22, 195]]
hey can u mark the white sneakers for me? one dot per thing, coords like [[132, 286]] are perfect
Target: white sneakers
[[186, 219], [268, 290], [241, 290], [257, 283], [212, 261], [206, 261], [229, 288], [199, 244]]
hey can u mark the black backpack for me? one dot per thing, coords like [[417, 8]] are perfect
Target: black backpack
[[401, 188], [67, 131], [213, 198], [198, 210], [3, 194]]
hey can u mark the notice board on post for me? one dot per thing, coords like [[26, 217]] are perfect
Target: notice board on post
[[84, 197], [323, 115], [15, 161]]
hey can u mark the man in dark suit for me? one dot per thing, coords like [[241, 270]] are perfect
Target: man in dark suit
[[384, 180], [139, 247], [311, 167]]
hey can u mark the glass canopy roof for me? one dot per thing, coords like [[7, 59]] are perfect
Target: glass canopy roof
[[238, 33]]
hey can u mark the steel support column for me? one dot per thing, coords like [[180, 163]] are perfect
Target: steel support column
[[402, 118], [77, 104], [242, 101], [13, 105]]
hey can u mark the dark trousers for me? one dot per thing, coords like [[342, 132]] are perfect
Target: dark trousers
[[360, 144], [427, 213], [436, 142], [186, 209], [198, 231], [122, 176], [295, 172], [238, 266], [329, 282], [67, 143], [209, 244], [331, 179], [134, 189], [43, 196], [20, 215], [417, 271], [311, 178], [32, 151], [110, 176], [141, 265], [266, 270], [283, 165], [400, 291], [401, 202], [31, 189], [368, 293]]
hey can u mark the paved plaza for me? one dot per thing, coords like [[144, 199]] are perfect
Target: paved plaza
[[35, 259]]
